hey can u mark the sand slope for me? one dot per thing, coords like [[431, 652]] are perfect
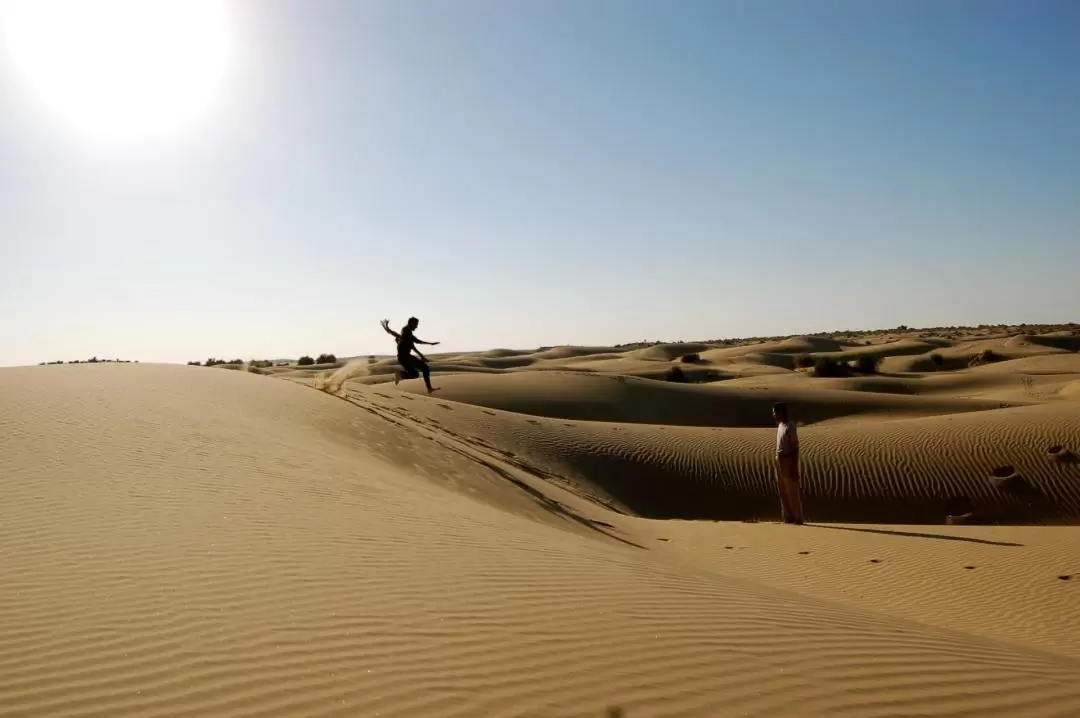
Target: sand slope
[[183, 541]]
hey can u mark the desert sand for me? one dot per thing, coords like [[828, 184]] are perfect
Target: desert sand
[[558, 532]]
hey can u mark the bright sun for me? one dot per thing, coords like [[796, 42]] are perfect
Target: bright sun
[[120, 70]]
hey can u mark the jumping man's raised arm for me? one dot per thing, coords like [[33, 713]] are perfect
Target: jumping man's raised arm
[[385, 324]]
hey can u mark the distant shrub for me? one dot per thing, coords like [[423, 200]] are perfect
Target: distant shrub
[[305, 361], [260, 363], [828, 367], [690, 358], [985, 357], [867, 364], [214, 362], [254, 369], [937, 359], [676, 374], [371, 360], [326, 359], [804, 361], [194, 363]]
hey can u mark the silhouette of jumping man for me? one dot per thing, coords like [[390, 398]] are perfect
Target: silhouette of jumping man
[[411, 367]]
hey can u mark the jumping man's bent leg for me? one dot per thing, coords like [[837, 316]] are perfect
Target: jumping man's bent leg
[[426, 371]]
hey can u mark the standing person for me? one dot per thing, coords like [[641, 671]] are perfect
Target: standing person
[[787, 466], [411, 367]]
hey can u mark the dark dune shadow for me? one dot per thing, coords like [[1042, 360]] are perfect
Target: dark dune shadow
[[917, 534]]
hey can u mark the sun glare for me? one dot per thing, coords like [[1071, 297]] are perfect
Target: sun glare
[[120, 70]]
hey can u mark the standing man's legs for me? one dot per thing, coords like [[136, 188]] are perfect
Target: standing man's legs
[[790, 489], [782, 490]]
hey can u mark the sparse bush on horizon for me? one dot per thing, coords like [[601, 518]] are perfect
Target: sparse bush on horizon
[[305, 361], [326, 359], [91, 360]]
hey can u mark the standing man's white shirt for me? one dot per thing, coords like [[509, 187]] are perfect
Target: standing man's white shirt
[[787, 439]]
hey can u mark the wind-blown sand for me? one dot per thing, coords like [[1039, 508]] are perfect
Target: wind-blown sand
[[181, 541]]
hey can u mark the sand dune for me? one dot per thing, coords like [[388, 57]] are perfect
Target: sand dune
[[187, 541], [888, 470], [885, 447], [600, 397]]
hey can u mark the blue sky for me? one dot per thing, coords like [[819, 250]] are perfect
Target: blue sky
[[553, 172]]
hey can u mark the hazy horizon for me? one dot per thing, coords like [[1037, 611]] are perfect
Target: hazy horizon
[[227, 357], [273, 180]]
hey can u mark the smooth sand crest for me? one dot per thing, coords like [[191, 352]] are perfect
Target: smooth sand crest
[[190, 541]]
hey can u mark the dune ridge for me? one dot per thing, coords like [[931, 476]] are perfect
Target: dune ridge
[[185, 541]]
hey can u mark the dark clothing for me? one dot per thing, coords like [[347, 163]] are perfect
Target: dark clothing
[[412, 367], [406, 343]]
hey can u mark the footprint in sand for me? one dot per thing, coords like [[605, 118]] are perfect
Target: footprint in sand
[[489, 413], [1065, 577], [875, 560], [445, 406], [804, 553], [1061, 454], [970, 568], [534, 422]]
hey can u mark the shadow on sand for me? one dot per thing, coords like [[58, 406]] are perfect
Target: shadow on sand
[[917, 534]]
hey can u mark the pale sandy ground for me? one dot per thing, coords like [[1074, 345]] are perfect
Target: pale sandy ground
[[183, 541]]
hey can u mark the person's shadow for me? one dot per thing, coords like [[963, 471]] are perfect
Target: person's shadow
[[916, 534]]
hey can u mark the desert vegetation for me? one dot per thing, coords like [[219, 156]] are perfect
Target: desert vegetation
[[91, 360]]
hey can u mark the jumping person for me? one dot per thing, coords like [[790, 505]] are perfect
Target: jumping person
[[411, 367], [787, 466]]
